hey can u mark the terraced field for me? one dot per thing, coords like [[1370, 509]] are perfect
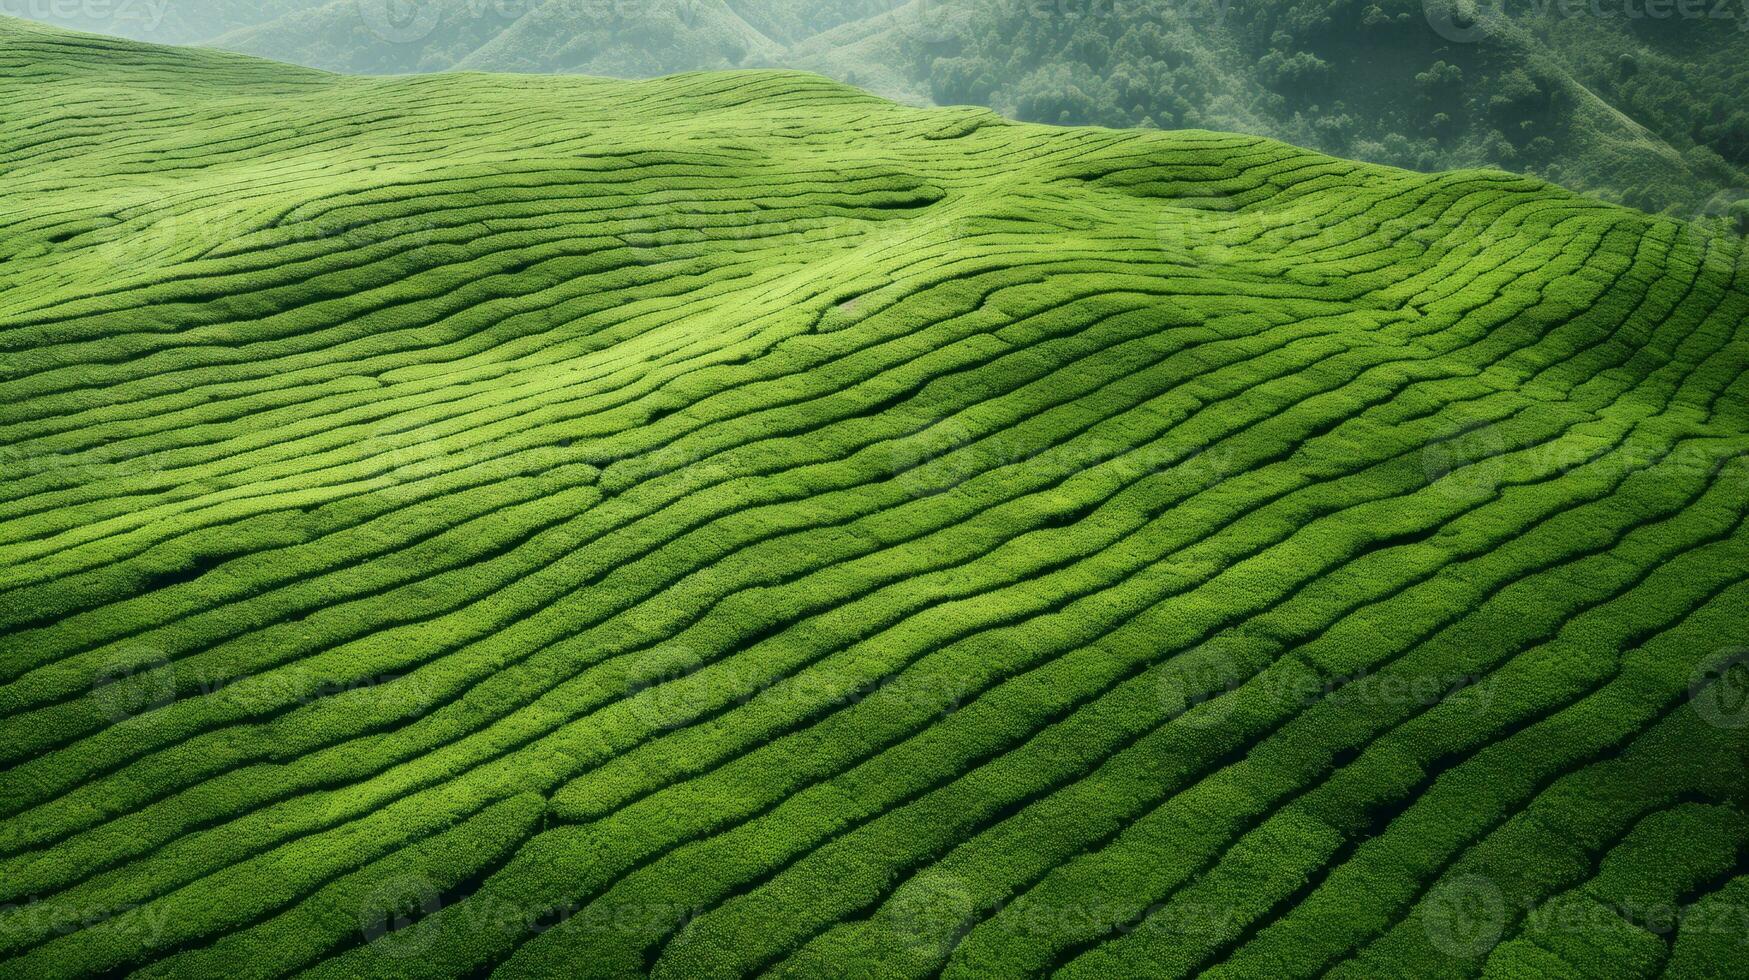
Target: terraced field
[[731, 524]]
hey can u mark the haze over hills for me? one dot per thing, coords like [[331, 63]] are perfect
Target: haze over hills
[[602, 37], [1622, 99], [733, 524]]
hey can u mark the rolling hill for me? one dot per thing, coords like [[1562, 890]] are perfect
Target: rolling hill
[[1636, 103], [534, 526]]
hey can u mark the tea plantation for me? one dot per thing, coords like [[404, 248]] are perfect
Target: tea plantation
[[471, 525]]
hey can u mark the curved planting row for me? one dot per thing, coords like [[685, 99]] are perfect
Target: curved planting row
[[730, 524]]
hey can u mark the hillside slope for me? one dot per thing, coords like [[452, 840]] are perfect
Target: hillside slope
[[1643, 104], [540, 526]]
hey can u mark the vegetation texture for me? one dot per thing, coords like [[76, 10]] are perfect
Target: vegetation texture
[[541, 526], [1644, 102]]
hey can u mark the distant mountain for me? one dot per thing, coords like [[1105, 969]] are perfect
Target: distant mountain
[[792, 21], [163, 21], [602, 37], [1643, 110]]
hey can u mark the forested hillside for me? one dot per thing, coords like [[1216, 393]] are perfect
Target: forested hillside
[[1653, 112]]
